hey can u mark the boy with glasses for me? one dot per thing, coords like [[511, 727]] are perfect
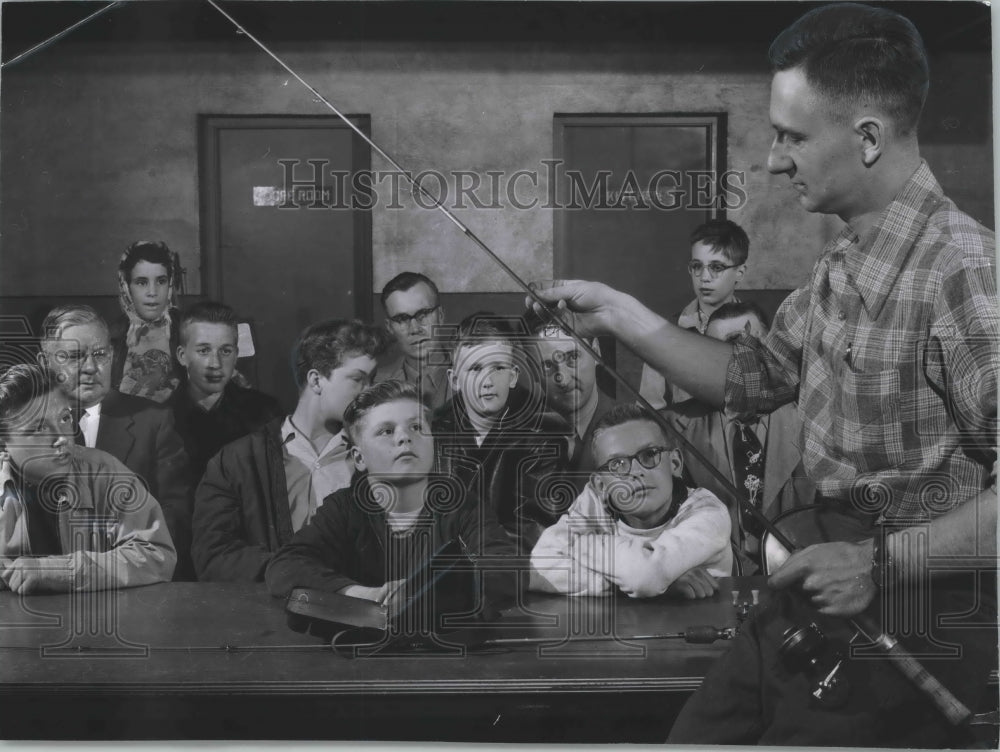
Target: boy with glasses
[[719, 251], [635, 526], [412, 310]]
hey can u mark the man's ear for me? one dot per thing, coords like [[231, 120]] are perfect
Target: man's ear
[[452, 380], [514, 373], [872, 133], [359, 461], [182, 355], [42, 358], [312, 381], [740, 271], [747, 327]]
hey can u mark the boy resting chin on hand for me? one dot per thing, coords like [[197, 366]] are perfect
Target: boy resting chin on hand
[[635, 526]]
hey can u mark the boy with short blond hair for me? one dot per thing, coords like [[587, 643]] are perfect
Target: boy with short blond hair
[[210, 408], [367, 539], [635, 526]]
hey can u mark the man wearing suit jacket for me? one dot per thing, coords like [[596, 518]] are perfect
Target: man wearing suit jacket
[[715, 435], [139, 433]]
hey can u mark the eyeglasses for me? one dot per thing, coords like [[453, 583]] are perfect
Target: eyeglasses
[[648, 458], [101, 356], [570, 358], [421, 316], [714, 269]]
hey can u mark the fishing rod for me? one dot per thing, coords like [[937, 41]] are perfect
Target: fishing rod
[[953, 709]]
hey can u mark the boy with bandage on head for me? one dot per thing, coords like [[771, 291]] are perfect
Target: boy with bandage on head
[[635, 526], [493, 435]]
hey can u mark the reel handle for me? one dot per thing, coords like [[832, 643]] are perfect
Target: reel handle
[[954, 709]]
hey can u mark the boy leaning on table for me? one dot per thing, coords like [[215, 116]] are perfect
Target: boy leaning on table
[[71, 518], [366, 540], [635, 526]]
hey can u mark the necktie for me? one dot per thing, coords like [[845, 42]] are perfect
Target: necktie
[[748, 464], [79, 414]]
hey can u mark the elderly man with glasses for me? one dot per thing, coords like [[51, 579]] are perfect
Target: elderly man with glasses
[[76, 347]]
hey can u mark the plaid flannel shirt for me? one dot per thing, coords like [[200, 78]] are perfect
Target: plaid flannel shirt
[[892, 353]]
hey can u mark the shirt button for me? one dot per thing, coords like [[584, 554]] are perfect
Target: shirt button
[[841, 315]]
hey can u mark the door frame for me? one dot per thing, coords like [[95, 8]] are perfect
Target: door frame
[[209, 128]]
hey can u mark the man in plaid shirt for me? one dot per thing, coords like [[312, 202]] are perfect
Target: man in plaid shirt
[[891, 352]]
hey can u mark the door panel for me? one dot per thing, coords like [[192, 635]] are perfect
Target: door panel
[[285, 247]]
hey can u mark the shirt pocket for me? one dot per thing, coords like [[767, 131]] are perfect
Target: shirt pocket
[[867, 421]]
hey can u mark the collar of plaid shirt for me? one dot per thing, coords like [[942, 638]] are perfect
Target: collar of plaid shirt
[[875, 265]]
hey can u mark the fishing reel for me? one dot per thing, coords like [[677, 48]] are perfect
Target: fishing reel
[[807, 650]]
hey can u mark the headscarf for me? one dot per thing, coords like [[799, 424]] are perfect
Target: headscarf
[[149, 371]]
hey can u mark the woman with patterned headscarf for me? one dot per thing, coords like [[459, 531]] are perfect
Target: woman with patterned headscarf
[[148, 276]]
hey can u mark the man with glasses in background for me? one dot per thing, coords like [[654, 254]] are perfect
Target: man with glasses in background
[[412, 310], [571, 392], [76, 347]]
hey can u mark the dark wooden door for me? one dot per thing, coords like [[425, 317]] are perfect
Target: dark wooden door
[[629, 191], [285, 243]]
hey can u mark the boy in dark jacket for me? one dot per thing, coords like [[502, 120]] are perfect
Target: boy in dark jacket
[[493, 434], [263, 487], [365, 540], [210, 408]]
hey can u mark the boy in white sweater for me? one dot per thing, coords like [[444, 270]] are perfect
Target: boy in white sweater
[[635, 526]]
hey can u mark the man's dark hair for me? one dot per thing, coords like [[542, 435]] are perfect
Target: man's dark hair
[[626, 413], [152, 251], [735, 310], [857, 53], [725, 237], [208, 312], [326, 345], [404, 281], [375, 395], [20, 384]]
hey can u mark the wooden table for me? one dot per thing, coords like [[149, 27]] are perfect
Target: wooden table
[[209, 660]]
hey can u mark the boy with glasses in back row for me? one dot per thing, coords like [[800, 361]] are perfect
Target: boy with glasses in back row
[[719, 252], [635, 526]]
